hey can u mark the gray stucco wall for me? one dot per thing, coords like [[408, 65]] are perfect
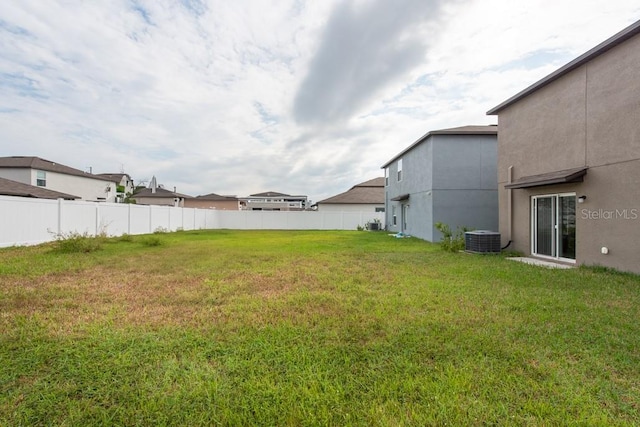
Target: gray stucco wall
[[450, 179]]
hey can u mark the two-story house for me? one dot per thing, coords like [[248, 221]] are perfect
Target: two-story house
[[57, 177], [273, 201], [569, 160], [124, 184], [446, 176]]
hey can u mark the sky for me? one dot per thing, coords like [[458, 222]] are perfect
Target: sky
[[303, 97]]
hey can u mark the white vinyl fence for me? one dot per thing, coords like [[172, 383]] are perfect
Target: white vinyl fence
[[26, 221]]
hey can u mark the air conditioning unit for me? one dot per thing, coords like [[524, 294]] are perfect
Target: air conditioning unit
[[482, 242], [374, 226]]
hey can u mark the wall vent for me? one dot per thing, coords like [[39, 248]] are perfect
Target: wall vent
[[482, 242]]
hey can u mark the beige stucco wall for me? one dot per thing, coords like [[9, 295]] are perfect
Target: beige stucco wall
[[589, 117]]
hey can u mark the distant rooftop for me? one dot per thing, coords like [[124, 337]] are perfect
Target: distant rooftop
[[32, 162], [368, 192], [159, 193], [216, 197], [114, 177]]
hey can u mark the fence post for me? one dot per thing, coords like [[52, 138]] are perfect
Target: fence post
[[129, 218], [97, 218], [60, 201]]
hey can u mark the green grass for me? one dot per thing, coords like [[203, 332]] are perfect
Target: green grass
[[311, 328]]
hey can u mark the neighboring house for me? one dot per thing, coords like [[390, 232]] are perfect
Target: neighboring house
[[124, 184], [446, 176], [19, 189], [213, 201], [366, 197], [56, 177], [273, 201], [156, 195], [574, 137]]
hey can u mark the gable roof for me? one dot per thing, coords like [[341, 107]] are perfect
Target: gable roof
[[622, 36], [368, 192], [217, 198], [32, 162], [14, 188], [462, 130]]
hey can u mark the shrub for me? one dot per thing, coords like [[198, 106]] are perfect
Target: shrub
[[152, 241], [125, 238], [75, 242], [452, 242]]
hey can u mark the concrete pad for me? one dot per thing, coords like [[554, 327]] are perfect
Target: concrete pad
[[541, 263]]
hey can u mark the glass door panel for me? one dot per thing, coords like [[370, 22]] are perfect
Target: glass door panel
[[567, 232], [554, 226], [544, 226]]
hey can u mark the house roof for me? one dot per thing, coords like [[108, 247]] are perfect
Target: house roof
[[462, 130], [113, 177], [269, 194], [368, 192], [217, 198], [31, 162], [622, 36], [556, 177], [159, 193], [14, 188]]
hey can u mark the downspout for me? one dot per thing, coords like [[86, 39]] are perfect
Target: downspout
[[509, 207]]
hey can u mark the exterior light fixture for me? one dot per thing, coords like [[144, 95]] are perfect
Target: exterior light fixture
[[581, 199]]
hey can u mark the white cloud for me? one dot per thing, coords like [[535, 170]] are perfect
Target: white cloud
[[292, 96]]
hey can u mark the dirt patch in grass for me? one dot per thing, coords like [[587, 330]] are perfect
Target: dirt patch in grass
[[135, 297], [100, 295]]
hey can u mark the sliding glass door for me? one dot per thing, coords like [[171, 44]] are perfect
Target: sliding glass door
[[553, 226]]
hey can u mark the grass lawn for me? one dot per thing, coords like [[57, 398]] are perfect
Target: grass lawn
[[311, 328]]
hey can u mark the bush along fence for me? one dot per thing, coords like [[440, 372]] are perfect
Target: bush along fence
[[27, 221]]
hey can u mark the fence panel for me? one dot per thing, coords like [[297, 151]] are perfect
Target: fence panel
[[175, 219], [25, 221], [113, 218], [80, 217]]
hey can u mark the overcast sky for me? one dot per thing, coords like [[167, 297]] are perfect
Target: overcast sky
[[245, 96]]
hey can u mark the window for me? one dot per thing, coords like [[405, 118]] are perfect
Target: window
[[399, 170], [41, 179], [379, 210], [553, 226], [386, 177], [393, 215]]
